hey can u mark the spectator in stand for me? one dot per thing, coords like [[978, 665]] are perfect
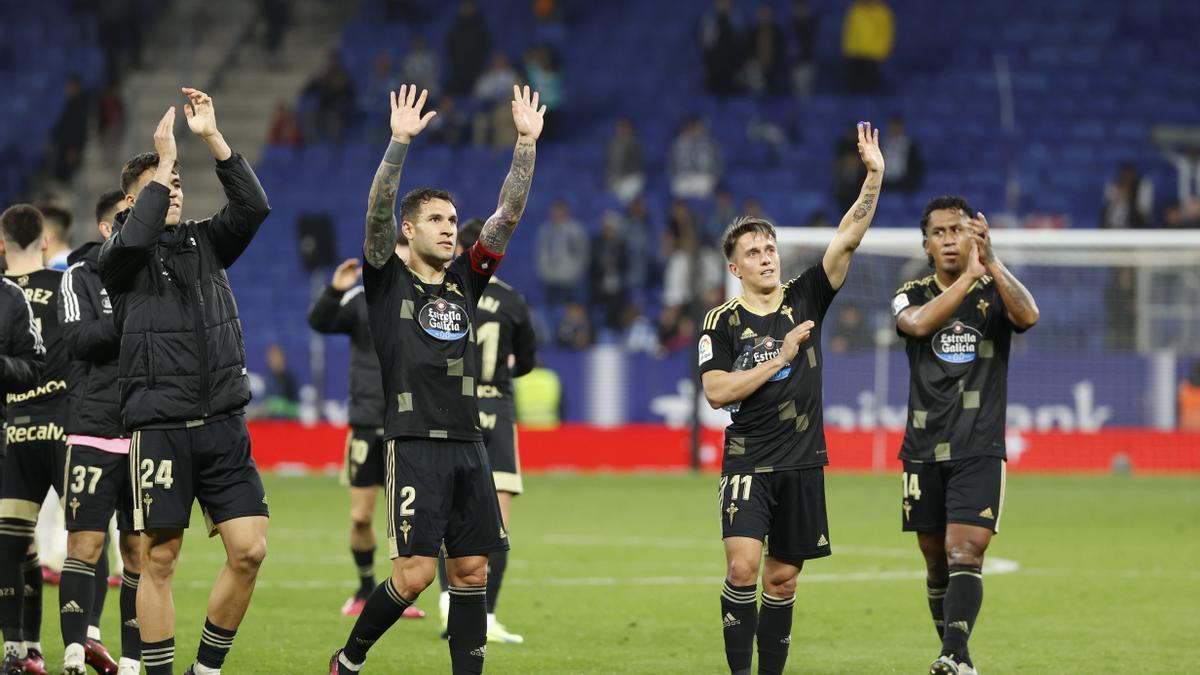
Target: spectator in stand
[[905, 170], [493, 122], [468, 43], [383, 81], [544, 76], [625, 166], [676, 330], [1128, 200], [110, 121], [868, 36], [420, 67], [765, 68], [282, 396], [1178, 216], [574, 330], [721, 47], [1189, 400], [548, 24], [56, 226], [691, 268], [804, 25], [275, 15], [638, 334], [751, 206], [848, 171], [562, 255], [851, 332], [695, 162], [285, 127], [333, 92], [69, 134], [640, 246], [1187, 168], [608, 271], [451, 125], [723, 213]]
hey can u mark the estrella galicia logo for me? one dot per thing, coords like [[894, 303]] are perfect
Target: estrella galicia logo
[[764, 350], [957, 343], [443, 319]]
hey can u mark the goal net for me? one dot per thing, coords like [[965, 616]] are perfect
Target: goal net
[[1109, 379]]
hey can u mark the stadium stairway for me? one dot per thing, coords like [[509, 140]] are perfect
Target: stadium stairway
[[231, 64]]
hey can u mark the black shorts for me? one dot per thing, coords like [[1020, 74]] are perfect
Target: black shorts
[[968, 491], [97, 484], [209, 462], [783, 509], [34, 463], [498, 421], [441, 491], [363, 465]]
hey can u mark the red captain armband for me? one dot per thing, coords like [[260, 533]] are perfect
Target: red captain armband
[[484, 261]]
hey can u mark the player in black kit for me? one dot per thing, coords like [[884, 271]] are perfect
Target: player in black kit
[[760, 357], [507, 348], [37, 444], [342, 309], [957, 324], [440, 490]]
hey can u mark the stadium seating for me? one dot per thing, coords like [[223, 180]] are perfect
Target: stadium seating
[[1089, 79]]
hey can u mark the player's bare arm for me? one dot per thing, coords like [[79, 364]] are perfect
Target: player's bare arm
[[856, 221], [406, 122], [1022, 309], [722, 387], [202, 120], [528, 117], [924, 320]]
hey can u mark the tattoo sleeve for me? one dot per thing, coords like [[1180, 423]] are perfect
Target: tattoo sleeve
[[380, 242], [1017, 299], [866, 202], [499, 227]]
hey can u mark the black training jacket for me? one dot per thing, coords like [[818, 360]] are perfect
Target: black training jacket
[[85, 321], [22, 354], [338, 313], [182, 356]]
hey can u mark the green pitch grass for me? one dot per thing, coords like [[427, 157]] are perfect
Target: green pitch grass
[[621, 574]]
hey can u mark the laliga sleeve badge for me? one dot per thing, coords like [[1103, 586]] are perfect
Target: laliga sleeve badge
[[706, 349]]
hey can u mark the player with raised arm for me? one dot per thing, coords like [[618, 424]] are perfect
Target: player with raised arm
[[507, 348], [439, 483], [37, 444], [183, 382], [760, 357], [341, 309], [97, 477], [957, 325]]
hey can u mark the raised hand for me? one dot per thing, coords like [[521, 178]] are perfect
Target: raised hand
[[201, 118], [526, 114], [164, 138], [868, 147], [981, 233], [975, 267], [346, 275], [794, 338], [407, 120]]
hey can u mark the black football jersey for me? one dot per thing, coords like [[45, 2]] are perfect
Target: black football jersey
[[780, 426], [425, 335], [504, 338], [958, 377], [48, 400]]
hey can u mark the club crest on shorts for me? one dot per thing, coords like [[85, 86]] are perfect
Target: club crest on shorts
[[443, 320]]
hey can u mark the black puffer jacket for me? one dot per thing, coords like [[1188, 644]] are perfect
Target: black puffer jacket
[[85, 319], [182, 354]]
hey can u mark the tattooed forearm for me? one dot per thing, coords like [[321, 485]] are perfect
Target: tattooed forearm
[[866, 202], [1022, 308], [499, 228], [380, 242]]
